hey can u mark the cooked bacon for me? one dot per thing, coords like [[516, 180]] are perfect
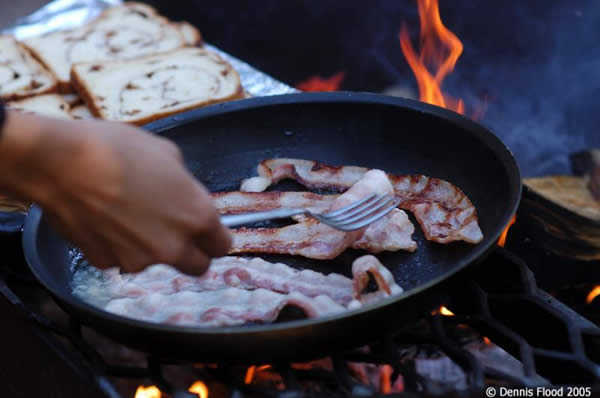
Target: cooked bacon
[[241, 202], [312, 239], [361, 268], [244, 290], [444, 212]]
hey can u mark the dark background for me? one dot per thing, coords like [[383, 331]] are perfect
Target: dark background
[[537, 61]]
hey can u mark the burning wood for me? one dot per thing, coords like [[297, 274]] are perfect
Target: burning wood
[[561, 214], [200, 389], [148, 392]]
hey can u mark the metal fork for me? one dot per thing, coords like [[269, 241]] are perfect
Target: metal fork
[[352, 217]]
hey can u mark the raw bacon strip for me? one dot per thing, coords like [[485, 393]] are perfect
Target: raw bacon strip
[[230, 271], [224, 307], [228, 305], [444, 212]]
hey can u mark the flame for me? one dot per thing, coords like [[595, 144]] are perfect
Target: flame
[[317, 83], [486, 340], [199, 388], [385, 379], [440, 49], [502, 239], [147, 392], [252, 370], [593, 294], [445, 311]]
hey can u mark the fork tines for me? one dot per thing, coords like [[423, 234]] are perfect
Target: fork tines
[[359, 214]]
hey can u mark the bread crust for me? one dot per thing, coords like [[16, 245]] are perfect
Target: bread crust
[[78, 82], [52, 87], [64, 86]]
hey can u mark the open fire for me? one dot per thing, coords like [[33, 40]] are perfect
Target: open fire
[[440, 49], [198, 388]]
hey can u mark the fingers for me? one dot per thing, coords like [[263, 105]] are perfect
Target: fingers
[[215, 242], [193, 261]]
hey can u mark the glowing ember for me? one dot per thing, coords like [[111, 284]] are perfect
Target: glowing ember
[[317, 83], [147, 392], [486, 340], [502, 239], [445, 311], [593, 294], [252, 370], [200, 389], [440, 49]]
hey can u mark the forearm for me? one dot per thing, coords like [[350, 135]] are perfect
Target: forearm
[[32, 149]]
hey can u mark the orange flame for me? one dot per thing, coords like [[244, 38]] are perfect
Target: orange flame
[[593, 294], [317, 83], [200, 389], [385, 379], [147, 392], [502, 239], [440, 49], [445, 311], [486, 340], [252, 370]]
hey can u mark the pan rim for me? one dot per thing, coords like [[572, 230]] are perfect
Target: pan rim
[[35, 215]]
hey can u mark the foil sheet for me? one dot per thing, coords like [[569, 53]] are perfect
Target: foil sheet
[[69, 14]]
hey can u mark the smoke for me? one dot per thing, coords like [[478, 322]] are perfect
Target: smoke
[[541, 73]]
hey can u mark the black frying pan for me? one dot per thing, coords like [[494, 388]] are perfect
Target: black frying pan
[[223, 144]]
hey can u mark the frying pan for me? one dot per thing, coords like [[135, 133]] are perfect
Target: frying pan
[[223, 144]]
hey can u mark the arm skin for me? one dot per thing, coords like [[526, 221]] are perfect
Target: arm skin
[[120, 194]]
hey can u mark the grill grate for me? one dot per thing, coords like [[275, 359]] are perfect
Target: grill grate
[[499, 299]]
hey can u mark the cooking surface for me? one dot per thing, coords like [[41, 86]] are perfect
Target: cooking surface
[[392, 134]]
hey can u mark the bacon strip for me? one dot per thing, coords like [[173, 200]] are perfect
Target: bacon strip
[[229, 306], [242, 202], [238, 290], [312, 239], [444, 212]]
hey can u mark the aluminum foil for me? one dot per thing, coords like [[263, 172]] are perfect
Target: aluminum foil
[[68, 14]]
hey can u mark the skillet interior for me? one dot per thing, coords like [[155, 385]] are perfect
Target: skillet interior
[[222, 145]]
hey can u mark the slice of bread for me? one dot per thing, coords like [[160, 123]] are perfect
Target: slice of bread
[[52, 105], [21, 76], [191, 35], [123, 32], [81, 112], [145, 89]]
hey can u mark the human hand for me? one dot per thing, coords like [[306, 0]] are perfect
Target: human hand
[[122, 195]]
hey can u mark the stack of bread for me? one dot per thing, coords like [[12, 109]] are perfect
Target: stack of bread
[[129, 65]]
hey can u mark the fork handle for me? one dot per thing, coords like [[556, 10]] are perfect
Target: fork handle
[[241, 219]]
